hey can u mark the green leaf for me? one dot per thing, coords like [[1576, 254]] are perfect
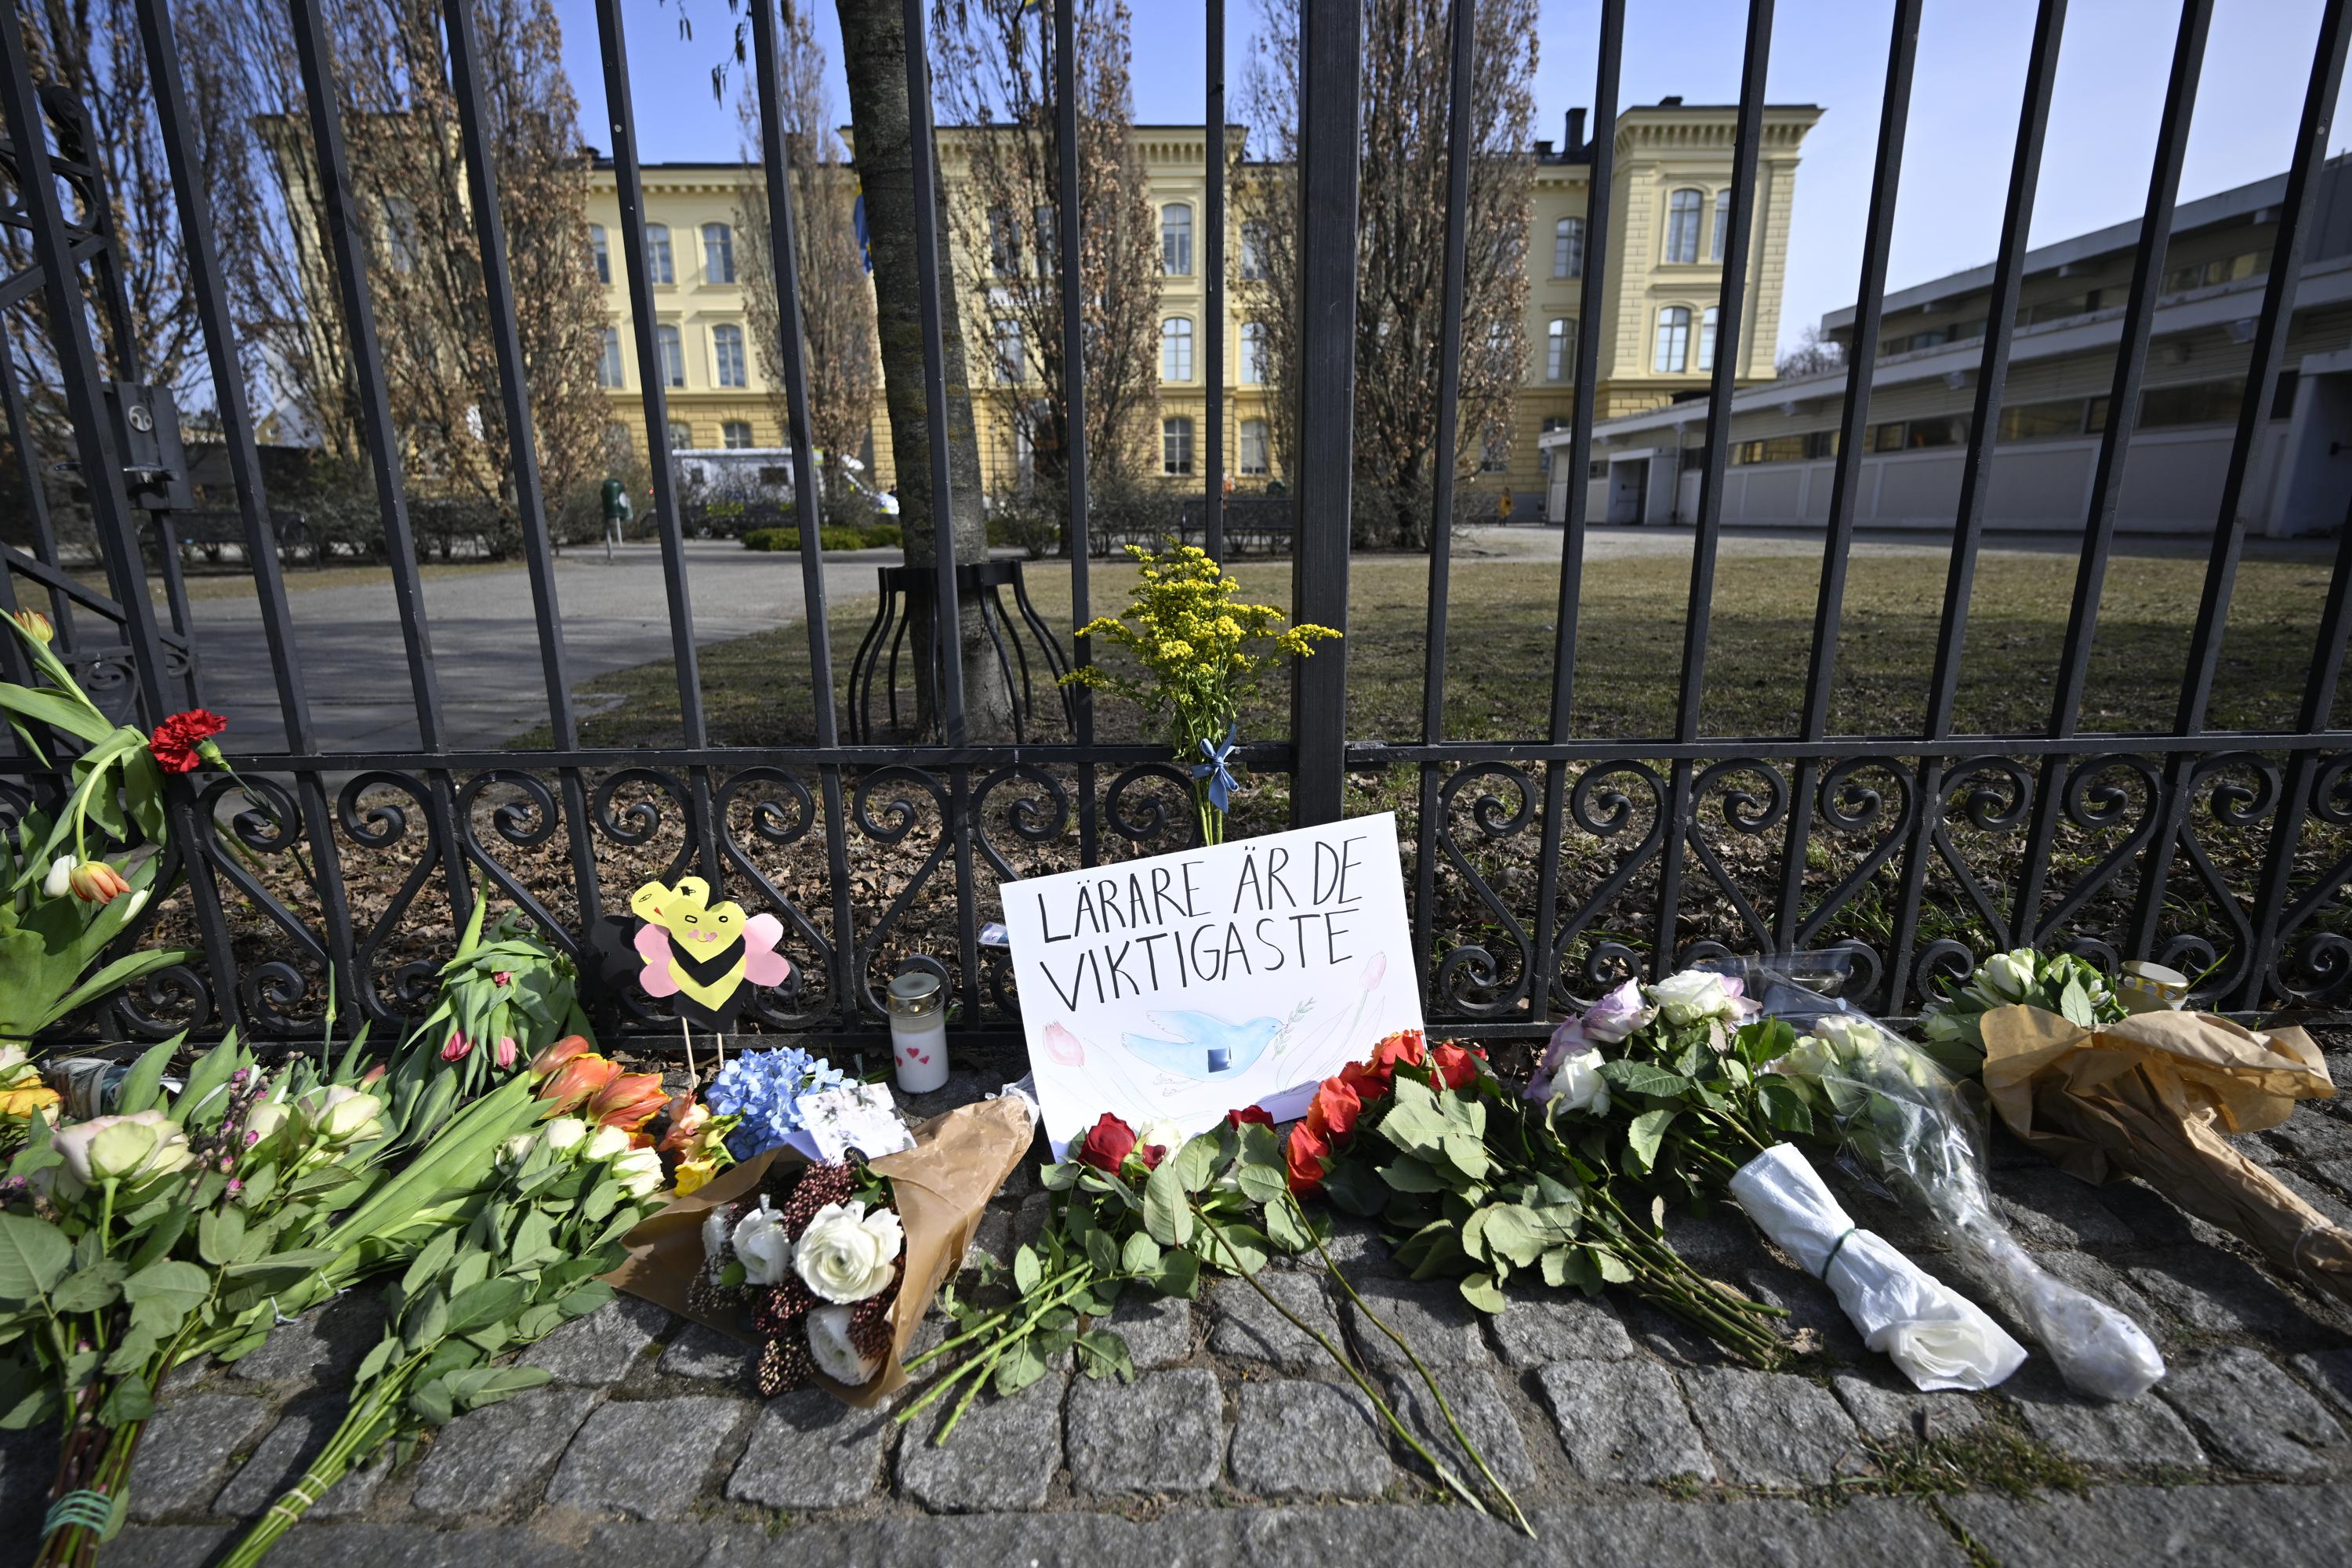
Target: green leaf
[[1407, 1175], [1481, 1291], [430, 1262], [1102, 1252], [144, 1081], [1467, 1155], [1179, 1274], [433, 1403], [170, 1287], [1634, 1077], [489, 1301], [1264, 1183], [2075, 1004], [1103, 1354], [130, 966], [1514, 1233], [1611, 1267], [584, 1298], [1141, 1255], [131, 1400], [375, 1360], [219, 1234], [1785, 1105], [1196, 1162], [1288, 1228], [34, 1256], [1355, 1187], [1645, 1134], [1060, 1177], [1024, 1365], [1234, 1248], [1026, 1273], [1166, 1214], [428, 1321], [90, 1289]]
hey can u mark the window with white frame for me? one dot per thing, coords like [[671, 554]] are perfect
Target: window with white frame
[[1706, 339], [1176, 241], [1568, 248], [717, 253], [1494, 450], [727, 354], [1254, 251], [1560, 348], [1043, 224], [1674, 340], [736, 433], [600, 253], [1176, 349], [670, 349], [1722, 225], [1176, 446], [1682, 226], [1010, 363], [658, 266], [1253, 365], [681, 435], [1004, 242], [608, 363], [1255, 458]]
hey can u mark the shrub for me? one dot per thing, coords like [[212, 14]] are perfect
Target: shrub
[[789, 539]]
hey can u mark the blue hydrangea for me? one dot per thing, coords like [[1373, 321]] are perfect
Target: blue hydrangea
[[765, 1087]]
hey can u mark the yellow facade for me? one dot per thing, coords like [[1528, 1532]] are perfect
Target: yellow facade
[[1673, 169]]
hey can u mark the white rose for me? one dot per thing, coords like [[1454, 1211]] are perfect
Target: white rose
[[265, 1117], [345, 1115], [846, 1254], [762, 1246], [1162, 1132], [516, 1150], [1578, 1084], [829, 1347], [564, 1134], [2009, 976], [129, 1150], [606, 1143], [1691, 998], [639, 1172]]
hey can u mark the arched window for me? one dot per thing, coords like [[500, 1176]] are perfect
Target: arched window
[[1707, 340], [600, 254], [1568, 248], [1176, 349], [1255, 458], [1682, 226], [1252, 366], [1176, 446], [1253, 251], [1176, 241], [1560, 349], [1011, 364], [1722, 225], [737, 432], [657, 261], [608, 363], [717, 253], [671, 351], [1674, 340], [727, 354], [681, 435]]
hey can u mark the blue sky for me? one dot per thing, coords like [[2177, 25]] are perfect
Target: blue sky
[[1831, 53]]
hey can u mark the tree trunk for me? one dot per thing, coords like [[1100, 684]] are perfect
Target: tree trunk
[[874, 51]]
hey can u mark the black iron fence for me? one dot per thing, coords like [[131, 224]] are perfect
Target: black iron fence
[[1543, 869]]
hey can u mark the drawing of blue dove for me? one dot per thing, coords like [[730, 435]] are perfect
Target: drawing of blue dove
[[1206, 1046]]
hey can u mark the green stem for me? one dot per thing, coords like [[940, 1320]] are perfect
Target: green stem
[[987, 1357], [1429, 1382], [911, 1362], [365, 1429]]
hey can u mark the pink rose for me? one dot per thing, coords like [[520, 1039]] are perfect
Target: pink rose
[[1618, 1014]]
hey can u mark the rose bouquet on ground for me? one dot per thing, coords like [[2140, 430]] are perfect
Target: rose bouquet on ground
[[1695, 1108], [1479, 1185], [527, 1262], [1202, 656], [2057, 983]]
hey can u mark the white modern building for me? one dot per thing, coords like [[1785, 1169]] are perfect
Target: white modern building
[[1644, 467]]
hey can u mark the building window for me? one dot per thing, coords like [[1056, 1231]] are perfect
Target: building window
[[1004, 242], [1253, 252], [1674, 340], [1560, 349], [1043, 224], [1706, 339], [618, 444], [600, 254], [726, 352], [1494, 451], [2200, 403], [1722, 225], [1502, 347], [1568, 248], [2222, 269], [1682, 226], [1252, 366], [1010, 365], [671, 351], [1916, 435], [2041, 421], [681, 435], [608, 363], [657, 261], [1176, 349], [1176, 446], [1255, 458], [717, 253], [736, 433], [1176, 241]]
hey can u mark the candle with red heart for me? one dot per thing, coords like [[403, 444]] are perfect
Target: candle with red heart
[[918, 1032]]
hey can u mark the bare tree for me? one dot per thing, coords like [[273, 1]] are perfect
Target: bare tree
[[996, 78], [1400, 244], [1814, 354], [835, 300]]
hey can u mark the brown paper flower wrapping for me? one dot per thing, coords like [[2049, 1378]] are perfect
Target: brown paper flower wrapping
[[2152, 1097], [941, 1187]]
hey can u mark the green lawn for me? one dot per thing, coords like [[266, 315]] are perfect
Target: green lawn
[[1499, 650]]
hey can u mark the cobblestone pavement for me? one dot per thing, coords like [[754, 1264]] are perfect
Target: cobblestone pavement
[[1628, 1440]]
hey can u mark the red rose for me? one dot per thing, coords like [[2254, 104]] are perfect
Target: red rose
[[1248, 1114], [1107, 1145], [1333, 1110], [176, 739], [1455, 1067], [1371, 1082], [1152, 1155], [1400, 1049], [1307, 1157]]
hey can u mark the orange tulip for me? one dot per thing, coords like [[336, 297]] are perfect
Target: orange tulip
[[36, 625], [688, 1117], [96, 882], [553, 1057], [578, 1080], [627, 1101]]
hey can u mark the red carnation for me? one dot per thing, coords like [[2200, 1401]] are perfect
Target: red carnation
[[179, 740], [1249, 1114], [1455, 1067], [1107, 1145], [1307, 1157]]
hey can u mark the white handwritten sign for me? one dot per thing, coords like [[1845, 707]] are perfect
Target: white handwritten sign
[[1189, 984]]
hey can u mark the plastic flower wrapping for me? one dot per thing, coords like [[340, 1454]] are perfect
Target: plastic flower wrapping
[[764, 1090]]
